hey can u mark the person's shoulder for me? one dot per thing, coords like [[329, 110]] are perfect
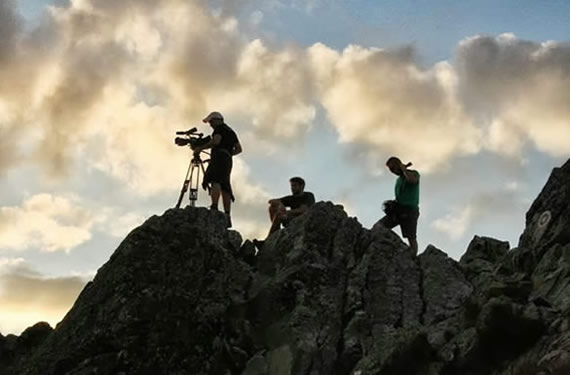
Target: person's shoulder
[[415, 172], [309, 195], [230, 130]]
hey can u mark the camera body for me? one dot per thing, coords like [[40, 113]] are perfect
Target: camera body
[[191, 138]]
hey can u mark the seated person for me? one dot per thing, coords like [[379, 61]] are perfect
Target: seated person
[[283, 210]]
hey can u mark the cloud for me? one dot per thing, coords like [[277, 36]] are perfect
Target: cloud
[[518, 89], [110, 65], [383, 101], [44, 221], [108, 82], [501, 203], [26, 296], [10, 27], [115, 223], [455, 224]]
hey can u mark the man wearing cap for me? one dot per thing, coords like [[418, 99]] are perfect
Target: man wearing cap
[[224, 144]]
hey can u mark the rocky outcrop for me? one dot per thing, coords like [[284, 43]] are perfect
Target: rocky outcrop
[[18, 348], [182, 295], [161, 304]]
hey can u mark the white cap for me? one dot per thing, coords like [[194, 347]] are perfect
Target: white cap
[[213, 115]]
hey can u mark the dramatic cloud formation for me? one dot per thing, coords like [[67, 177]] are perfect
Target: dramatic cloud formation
[[26, 296], [519, 89], [384, 100], [120, 77]]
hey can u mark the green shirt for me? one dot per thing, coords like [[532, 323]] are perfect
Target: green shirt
[[408, 194]]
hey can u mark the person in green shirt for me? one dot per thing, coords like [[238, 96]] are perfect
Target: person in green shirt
[[404, 211]]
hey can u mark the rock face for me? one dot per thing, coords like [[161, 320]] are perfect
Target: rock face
[[182, 295]]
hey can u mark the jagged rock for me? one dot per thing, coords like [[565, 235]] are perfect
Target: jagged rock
[[33, 337], [481, 259], [247, 252], [183, 295], [159, 305], [405, 351], [14, 349], [507, 329], [548, 219], [444, 286], [552, 277], [298, 297]]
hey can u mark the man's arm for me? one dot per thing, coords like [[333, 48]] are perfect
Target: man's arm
[[299, 210], [309, 201], [410, 176], [237, 149], [283, 200]]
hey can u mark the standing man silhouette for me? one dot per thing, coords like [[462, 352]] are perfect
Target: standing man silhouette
[[224, 144], [404, 211]]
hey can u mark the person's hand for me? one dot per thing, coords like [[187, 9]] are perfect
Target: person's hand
[[403, 166]]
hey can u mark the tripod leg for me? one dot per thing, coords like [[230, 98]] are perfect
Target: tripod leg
[[204, 174], [184, 186], [193, 185]]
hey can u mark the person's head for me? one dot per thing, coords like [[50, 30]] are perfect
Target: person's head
[[214, 119], [394, 165], [297, 185]]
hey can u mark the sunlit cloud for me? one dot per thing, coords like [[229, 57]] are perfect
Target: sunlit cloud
[[120, 77], [384, 101], [521, 87], [46, 222]]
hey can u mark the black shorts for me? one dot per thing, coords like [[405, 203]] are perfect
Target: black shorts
[[406, 218], [219, 171]]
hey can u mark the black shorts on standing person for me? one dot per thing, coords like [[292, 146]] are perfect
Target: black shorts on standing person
[[220, 167], [404, 216]]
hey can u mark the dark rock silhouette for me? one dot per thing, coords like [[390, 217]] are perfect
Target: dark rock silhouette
[[182, 295]]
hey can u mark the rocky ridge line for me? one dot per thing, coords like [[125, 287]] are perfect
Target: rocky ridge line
[[181, 295]]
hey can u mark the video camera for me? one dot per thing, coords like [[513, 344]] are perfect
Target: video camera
[[192, 138]]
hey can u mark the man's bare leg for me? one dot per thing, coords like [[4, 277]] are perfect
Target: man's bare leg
[[276, 211], [215, 194], [227, 201]]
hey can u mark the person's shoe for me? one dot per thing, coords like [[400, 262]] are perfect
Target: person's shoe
[[213, 208], [258, 243], [228, 220]]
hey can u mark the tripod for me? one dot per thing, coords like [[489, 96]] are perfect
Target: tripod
[[193, 180]]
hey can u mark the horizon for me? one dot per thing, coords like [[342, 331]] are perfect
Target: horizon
[[93, 91]]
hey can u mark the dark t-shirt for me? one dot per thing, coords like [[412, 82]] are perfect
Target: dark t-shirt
[[296, 201], [229, 138]]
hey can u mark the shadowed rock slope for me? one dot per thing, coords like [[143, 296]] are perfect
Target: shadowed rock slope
[[182, 295]]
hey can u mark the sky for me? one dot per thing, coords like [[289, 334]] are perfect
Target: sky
[[473, 93]]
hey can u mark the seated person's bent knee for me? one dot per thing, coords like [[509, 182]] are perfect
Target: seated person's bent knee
[[276, 204]]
